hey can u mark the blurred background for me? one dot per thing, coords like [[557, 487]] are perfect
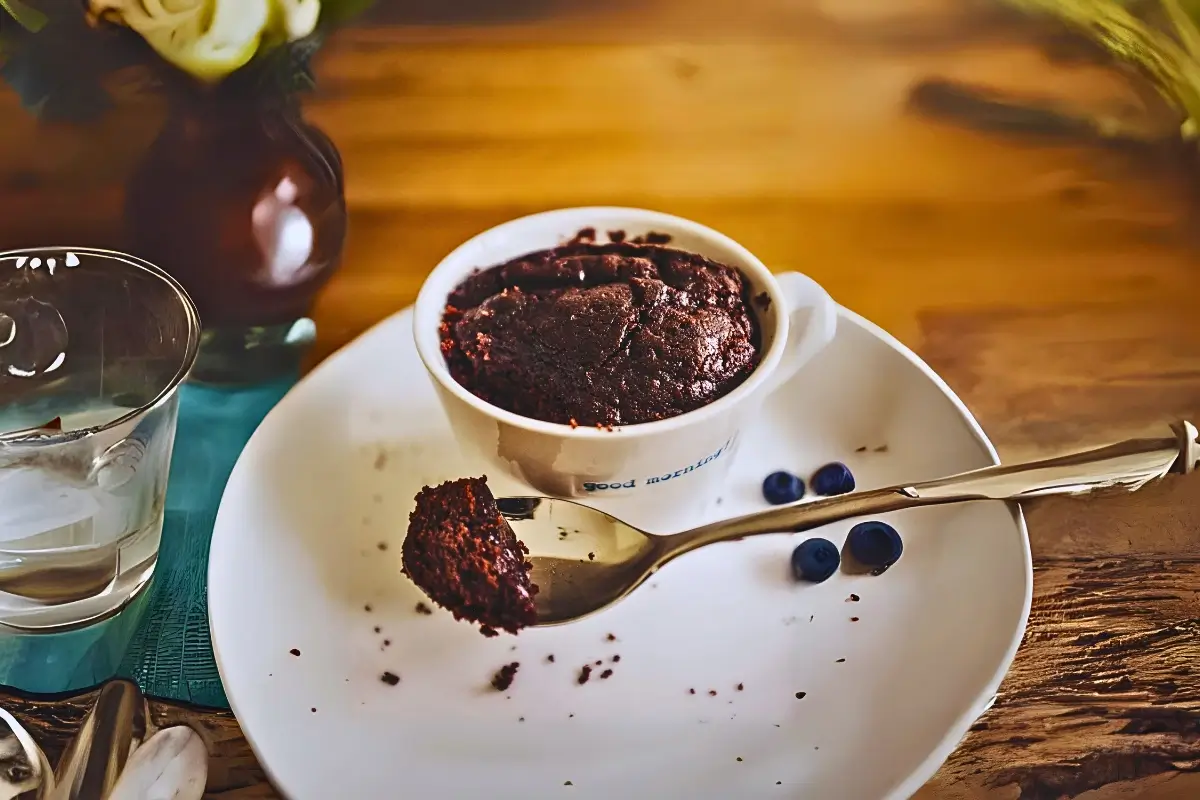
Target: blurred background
[[955, 170]]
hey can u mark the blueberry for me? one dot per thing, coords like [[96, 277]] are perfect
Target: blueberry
[[875, 544], [815, 560], [833, 479], [782, 487]]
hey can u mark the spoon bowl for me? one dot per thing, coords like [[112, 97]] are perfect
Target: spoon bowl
[[584, 560]]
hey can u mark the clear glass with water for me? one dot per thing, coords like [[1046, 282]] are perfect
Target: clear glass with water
[[93, 348]]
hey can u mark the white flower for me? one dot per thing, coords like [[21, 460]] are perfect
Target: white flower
[[211, 38]]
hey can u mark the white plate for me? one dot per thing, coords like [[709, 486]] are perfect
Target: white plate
[[331, 474]]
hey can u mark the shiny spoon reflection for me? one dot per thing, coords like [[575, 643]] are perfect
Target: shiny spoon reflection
[[585, 560]]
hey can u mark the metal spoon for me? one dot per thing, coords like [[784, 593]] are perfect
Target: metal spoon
[[585, 560]]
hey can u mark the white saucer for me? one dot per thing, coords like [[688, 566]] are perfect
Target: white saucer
[[331, 473]]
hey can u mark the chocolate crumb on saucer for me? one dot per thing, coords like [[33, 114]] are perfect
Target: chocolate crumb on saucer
[[390, 678], [505, 675], [424, 609], [463, 554], [585, 674], [606, 674], [712, 692], [801, 695], [294, 652]]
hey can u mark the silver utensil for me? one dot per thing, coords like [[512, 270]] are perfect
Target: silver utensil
[[585, 560], [118, 723], [25, 774]]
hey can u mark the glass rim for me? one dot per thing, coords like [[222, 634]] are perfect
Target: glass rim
[[190, 351]]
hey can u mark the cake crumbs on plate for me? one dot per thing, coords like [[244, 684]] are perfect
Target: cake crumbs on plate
[[295, 651], [423, 609], [741, 687], [801, 695], [712, 692], [584, 674], [505, 675], [390, 678], [853, 598], [606, 674]]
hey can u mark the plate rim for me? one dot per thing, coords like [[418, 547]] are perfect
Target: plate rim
[[904, 788]]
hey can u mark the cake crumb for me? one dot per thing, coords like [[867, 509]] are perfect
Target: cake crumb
[[862, 449], [691, 691], [294, 652], [839, 661], [381, 460], [801, 695], [712, 692], [883, 448], [591, 556], [740, 687], [504, 676], [367, 608], [382, 546], [520, 719], [424, 609], [739, 758], [853, 598], [378, 629], [606, 674], [854, 619], [568, 783], [616, 659], [550, 658], [611, 638], [585, 674], [313, 709], [390, 678]]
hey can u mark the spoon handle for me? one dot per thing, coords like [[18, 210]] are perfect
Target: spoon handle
[[1130, 465]]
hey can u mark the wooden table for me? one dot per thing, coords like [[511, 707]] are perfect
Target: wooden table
[[1050, 274]]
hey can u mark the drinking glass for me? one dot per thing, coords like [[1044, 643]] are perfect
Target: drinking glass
[[94, 345]]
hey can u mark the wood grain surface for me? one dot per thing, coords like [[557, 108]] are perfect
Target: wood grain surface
[[982, 186]]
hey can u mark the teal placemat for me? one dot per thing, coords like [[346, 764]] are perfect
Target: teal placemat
[[161, 640], [170, 653]]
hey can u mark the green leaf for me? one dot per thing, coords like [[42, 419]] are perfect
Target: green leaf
[[26, 16]]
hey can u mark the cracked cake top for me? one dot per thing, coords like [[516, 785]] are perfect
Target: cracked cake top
[[601, 334]]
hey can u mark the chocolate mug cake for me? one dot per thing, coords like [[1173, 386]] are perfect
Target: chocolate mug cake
[[601, 334]]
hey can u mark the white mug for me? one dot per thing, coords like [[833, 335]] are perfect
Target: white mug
[[637, 472]]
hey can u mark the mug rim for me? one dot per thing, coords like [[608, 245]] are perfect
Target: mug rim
[[429, 344]]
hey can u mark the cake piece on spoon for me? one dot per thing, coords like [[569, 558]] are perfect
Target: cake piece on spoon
[[464, 555]]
